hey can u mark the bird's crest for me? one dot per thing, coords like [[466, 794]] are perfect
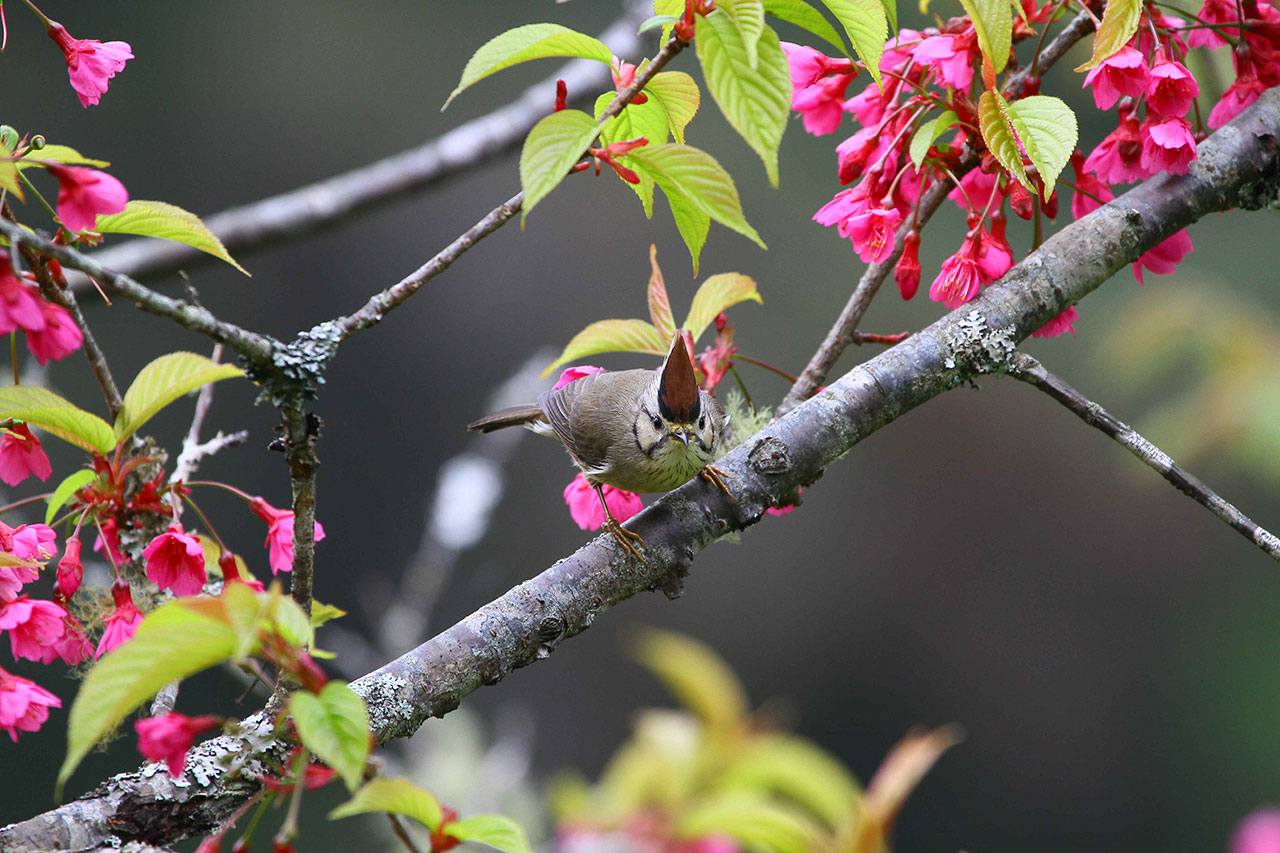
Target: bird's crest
[[678, 399]]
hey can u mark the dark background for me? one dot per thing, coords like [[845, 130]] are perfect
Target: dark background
[[1110, 648]]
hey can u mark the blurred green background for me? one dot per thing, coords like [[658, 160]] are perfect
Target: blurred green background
[[1110, 648]]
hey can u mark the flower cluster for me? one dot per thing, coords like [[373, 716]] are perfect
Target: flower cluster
[[1146, 82], [50, 331]]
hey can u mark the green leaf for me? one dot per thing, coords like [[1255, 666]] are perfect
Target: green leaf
[[334, 724], [654, 21], [174, 641], [993, 23], [393, 796], [168, 222], [64, 154], [322, 613], [891, 13], [611, 336], [678, 93], [246, 613], [164, 380], [928, 133], [694, 174], [552, 147], [867, 27], [804, 16], [497, 831], [1047, 128], [755, 99], [716, 294], [532, 41], [796, 769], [9, 179], [617, 128], [66, 489], [53, 414], [692, 224], [695, 675], [748, 18], [758, 822], [1119, 23], [997, 132], [659, 303]]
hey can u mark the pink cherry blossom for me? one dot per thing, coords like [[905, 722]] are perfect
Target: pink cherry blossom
[[11, 580], [34, 542], [872, 233], [1219, 12], [960, 278], [120, 626], [74, 646], [585, 507], [907, 272], [24, 705], [976, 189], [1063, 323], [1240, 94], [85, 193], [19, 303], [90, 63], [279, 534], [175, 560], [32, 625], [1123, 73], [951, 56], [57, 338], [1117, 159], [1258, 833], [571, 374], [1171, 89], [168, 737], [1091, 192], [1167, 145], [1165, 256], [22, 456]]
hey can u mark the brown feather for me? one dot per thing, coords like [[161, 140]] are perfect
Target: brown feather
[[514, 416], [678, 389]]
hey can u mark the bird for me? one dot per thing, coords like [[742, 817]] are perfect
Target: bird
[[638, 430]]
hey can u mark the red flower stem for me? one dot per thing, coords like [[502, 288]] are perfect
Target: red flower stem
[[204, 520], [769, 367], [224, 486], [106, 546], [25, 502], [43, 17], [742, 387]]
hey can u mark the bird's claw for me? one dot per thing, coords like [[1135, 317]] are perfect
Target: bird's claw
[[630, 541], [716, 477]]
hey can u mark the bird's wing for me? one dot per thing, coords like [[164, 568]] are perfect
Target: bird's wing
[[601, 398]]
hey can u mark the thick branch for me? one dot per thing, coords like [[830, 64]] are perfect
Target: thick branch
[[1032, 372], [844, 330], [333, 201], [1238, 167]]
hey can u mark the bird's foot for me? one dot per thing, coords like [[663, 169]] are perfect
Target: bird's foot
[[630, 542], [716, 477]]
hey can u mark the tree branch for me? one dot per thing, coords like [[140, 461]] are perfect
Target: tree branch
[[1034, 373], [317, 206]]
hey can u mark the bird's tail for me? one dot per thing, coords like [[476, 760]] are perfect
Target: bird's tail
[[529, 415]]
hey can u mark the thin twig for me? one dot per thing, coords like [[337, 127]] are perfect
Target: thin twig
[[377, 307], [1034, 373], [193, 449], [398, 827], [842, 333]]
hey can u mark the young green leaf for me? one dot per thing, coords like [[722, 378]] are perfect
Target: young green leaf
[[64, 154], [927, 134], [334, 724], [1047, 128], [68, 487], [756, 100], [659, 303], [611, 336], [868, 28], [998, 133], [891, 13], [57, 416], [1119, 23], [532, 41], [798, 770], [692, 223], [679, 96], [757, 821], [174, 641], [9, 179], [716, 294], [618, 127], [552, 147], [498, 832], [673, 9], [654, 21], [164, 380], [695, 175], [393, 796], [696, 676], [168, 222], [322, 613], [993, 23], [801, 14], [748, 18]]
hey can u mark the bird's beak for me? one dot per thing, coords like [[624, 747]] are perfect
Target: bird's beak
[[682, 434]]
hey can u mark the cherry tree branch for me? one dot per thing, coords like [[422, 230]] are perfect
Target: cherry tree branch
[[334, 200], [1034, 373], [1239, 166], [844, 330]]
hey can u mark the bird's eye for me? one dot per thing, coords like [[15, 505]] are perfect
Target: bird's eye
[[657, 422], [702, 422]]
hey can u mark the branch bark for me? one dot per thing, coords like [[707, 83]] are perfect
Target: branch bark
[[1238, 167]]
